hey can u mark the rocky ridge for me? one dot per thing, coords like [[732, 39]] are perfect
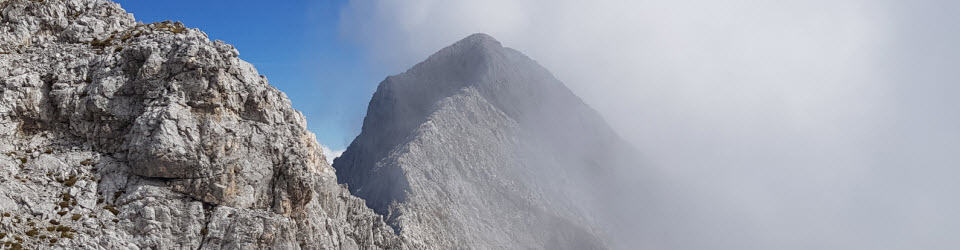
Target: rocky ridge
[[478, 146], [119, 134]]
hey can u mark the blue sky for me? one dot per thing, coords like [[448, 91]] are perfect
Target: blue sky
[[296, 44]]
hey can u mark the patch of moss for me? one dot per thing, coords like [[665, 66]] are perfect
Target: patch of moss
[[33, 232], [6, 214], [111, 209], [87, 162], [70, 181], [54, 222], [23, 159], [61, 213], [68, 235], [100, 44], [51, 229], [173, 27], [126, 36], [3, 235], [76, 217], [52, 240], [48, 151]]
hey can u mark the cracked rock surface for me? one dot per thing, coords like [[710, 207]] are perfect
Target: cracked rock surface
[[122, 135]]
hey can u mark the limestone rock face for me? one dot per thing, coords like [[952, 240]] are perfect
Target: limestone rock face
[[480, 147], [122, 135]]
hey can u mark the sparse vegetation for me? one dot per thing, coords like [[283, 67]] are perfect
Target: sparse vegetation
[[111, 209], [70, 181], [87, 162], [116, 195], [100, 44], [33, 232], [173, 27]]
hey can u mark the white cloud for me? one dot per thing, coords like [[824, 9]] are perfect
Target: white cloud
[[330, 154], [783, 124]]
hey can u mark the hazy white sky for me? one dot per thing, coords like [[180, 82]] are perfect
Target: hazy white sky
[[782, 124]]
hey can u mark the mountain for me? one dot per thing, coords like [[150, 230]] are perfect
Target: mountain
[[480, 147], [124, 135]]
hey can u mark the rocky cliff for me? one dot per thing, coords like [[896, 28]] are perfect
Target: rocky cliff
[[481, 147], [123, 135]]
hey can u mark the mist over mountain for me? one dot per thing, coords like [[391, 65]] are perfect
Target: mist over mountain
[[479, 146]]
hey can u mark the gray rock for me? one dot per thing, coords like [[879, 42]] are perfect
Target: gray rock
[[119, 134], [480, 147]]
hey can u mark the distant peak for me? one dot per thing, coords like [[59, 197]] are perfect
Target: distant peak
[[480, 37], [478, 40]]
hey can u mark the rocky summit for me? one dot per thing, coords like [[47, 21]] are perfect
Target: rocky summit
[[481, 147], [124, 135]]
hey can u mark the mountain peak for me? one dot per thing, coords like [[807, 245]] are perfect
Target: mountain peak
[[481, 128], [466, 58], [478, 39]]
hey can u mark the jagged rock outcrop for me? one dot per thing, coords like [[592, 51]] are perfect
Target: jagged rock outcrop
[[123, 135], [480, 147]]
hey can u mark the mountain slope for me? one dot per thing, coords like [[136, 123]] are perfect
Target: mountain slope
[[118, 134], [480, 147]]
